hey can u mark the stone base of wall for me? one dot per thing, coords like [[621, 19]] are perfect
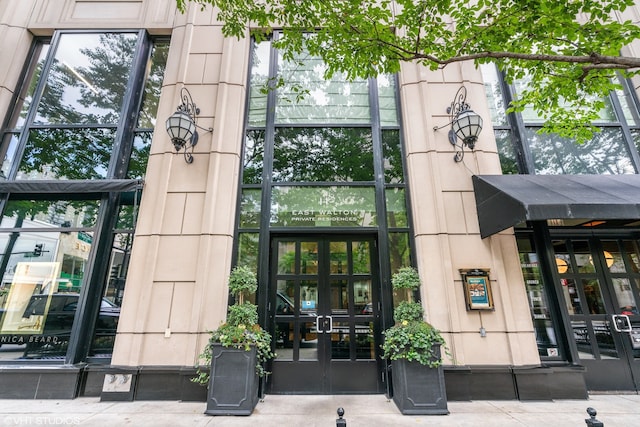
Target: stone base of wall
[[118, 383], [515, 383]]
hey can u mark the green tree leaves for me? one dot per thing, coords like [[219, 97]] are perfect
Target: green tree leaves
[[570, 50]]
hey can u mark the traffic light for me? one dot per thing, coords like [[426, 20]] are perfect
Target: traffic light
[[37, 251]]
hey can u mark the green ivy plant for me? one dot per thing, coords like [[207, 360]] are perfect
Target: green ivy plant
[[241, 330], [411, 338]]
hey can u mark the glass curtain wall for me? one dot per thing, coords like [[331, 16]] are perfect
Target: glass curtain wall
[[79, 133], [320, 154]]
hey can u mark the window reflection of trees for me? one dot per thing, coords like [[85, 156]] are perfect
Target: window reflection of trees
[[606, 153], [307, 97], [253, 157], [323, 154], [82, 99]]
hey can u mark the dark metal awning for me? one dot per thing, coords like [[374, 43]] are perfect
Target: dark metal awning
[[21, 189], [506, 200]]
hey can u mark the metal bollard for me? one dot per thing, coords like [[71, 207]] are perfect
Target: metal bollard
[[591, 421], [341, 422]]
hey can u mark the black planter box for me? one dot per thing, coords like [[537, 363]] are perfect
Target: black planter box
[[418, 389], [233, 385]]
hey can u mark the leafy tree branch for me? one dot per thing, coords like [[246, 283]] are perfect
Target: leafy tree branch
[[569, 51]]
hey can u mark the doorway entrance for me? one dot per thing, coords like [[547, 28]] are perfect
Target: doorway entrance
[[325, 315], [600, 281]]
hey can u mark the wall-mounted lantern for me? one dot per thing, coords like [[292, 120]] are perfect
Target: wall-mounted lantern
[[182, 126], [465, 123]]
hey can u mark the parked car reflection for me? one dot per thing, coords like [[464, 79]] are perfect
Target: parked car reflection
[[58, 322]]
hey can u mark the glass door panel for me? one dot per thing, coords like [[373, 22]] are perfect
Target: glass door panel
[[325, 316], [599, 279]]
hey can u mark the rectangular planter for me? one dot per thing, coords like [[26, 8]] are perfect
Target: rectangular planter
[[233, 385], [418, 389]]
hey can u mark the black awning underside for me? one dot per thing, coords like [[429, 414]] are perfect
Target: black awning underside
[[506, 200], [22, 189]]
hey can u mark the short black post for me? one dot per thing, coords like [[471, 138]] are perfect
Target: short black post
[[591, 421], [341, 422]]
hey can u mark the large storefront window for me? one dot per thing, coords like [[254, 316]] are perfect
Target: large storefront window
[[75, 148], [524, 150]]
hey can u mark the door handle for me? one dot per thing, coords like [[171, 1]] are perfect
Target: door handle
[[330, 324], [621, 322], [321, 324]]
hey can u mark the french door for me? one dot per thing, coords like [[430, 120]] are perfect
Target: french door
[[325, 315], [600, 281]]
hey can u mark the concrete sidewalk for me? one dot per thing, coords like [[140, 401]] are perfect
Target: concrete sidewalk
[[312, 411]]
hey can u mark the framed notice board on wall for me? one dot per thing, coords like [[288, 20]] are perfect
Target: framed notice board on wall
[[477, 289]]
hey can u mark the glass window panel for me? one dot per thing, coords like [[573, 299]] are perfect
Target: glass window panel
[[42, 275], [612, 257], [253, 157], [88, 79], [605, 154], [307, 97], [631, 248], [284, 340], [308, 297], [493, 91], [340, 341], [507, 152], [259, 78], [362, 297], [607, 115], [127, 215], [537, 296], [584, 260], [109, 313], [635, 134], [604, 339], [139, 155], [365, 342], [323, 154], [396, 207], [308, 343], [323, 207], [571, 296], [387, 100], [338, 263], [250, 208], [361, 255], [399, 251], [153, 85], [286, 258], [67, 154], [50, 213], [9, 145], [309, 258], [563, 258], [628, 106], [248, 250], [582, 338], [593, 296], [393, 170], [624, 295], [25, 98], [285, 297], [339, 297]]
